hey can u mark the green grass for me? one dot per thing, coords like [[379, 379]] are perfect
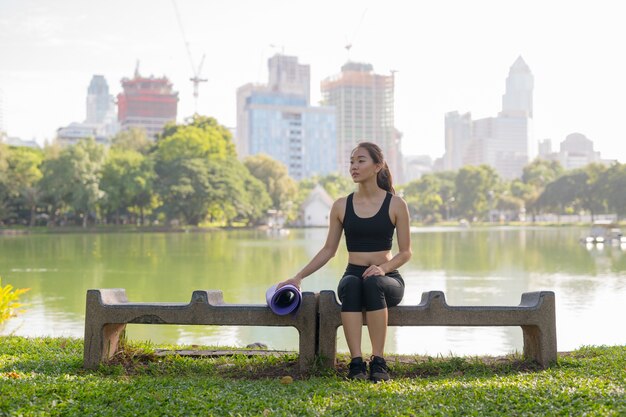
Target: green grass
[[44, 376]]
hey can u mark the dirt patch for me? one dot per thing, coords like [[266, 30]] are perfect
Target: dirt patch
[[401, 366]]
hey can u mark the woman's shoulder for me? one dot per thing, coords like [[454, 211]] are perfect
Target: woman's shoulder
[[397, 201], [341, 201], [339, 208]]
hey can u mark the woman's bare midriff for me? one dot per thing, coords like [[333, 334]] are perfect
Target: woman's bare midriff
[[369, 258]]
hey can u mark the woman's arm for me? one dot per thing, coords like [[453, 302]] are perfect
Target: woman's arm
[[328, 250], [403, 234]]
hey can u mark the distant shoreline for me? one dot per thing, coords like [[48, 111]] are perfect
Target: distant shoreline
[[13, 231]]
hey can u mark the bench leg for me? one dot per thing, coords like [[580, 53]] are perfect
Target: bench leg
[[540, 345], [101, 343], [307, 348], [327, 344]]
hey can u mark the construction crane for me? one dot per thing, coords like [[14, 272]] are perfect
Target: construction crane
[[349, 41], [196, 79]]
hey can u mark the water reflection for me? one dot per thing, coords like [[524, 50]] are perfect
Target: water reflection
[[491, 266]]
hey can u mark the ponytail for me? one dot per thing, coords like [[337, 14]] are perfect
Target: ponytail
[[384, 179]]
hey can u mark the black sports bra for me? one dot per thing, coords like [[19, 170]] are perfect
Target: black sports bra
[[371, 234]]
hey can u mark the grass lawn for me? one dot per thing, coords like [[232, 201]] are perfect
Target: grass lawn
[[44, 376]]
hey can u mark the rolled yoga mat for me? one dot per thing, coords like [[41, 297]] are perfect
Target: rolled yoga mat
[[284, 301]]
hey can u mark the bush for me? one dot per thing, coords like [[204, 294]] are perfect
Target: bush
[[9, 300]]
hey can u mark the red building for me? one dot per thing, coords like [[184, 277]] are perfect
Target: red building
[[147, 103]]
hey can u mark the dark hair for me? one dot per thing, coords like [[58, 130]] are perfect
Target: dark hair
[[383, 179]]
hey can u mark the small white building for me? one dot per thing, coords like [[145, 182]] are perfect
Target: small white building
[[316, 208]]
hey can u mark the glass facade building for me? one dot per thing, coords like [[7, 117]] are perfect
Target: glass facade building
[[286, 128]]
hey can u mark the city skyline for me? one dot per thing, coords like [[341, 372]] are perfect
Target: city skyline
[[450, 56]]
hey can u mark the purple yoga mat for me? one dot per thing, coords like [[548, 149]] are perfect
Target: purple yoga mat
[[284, 301]]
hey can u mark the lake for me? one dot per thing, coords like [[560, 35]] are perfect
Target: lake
[[476, 266]]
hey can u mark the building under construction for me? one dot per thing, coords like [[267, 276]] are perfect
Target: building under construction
[[365, 112], [147, 103]]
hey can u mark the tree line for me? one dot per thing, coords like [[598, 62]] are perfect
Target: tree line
[[477, 193], [190, 175]]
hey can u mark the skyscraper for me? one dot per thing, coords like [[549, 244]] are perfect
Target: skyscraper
[[365, 112], [276, 119], [517, 100], [288, 76], [100, 122], [458, 137], [502, 141], [147, 103], [100, 104]]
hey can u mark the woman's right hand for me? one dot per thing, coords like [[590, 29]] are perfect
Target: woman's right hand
[[296, 282]]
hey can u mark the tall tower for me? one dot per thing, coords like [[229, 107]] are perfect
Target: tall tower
[[287, 76], [365, 112], [458, 137], [99, 101], [517, 100], [501, 141], [147, 103]]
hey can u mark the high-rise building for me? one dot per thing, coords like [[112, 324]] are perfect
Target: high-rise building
[[365, 112], [288, 76], [517, 100], [276, 119], [147, 103], [502, 141], [100, 104], [242, 137], [544, 148], [458, 137], [100, 122], [301, 137]]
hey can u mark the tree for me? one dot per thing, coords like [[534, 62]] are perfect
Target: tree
[[476, 190], [199, 137], [21, 168], [614, 179], [185, 189], [337, 185], [535, 177], [431, 198], [4, 184], [133, 139], [423, 198], [279, 185], [561, 194], [24, 166], [591, 195], [198, 175], [540, 172], [242, 197], [73, 179], [127, 180]]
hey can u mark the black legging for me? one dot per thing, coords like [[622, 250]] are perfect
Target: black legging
[[372, 293]]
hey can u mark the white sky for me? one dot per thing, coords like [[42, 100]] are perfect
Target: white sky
[[450, 55]]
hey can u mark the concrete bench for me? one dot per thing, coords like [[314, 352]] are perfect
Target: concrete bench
[[535, 315], [108, 311]]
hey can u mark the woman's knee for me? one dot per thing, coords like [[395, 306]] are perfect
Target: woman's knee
[[349, 291], [373, 293], [381, 292]]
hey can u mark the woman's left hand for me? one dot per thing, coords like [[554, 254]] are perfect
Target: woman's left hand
[[373, 270]]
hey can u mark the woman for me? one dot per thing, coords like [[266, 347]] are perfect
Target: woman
[[371, 281]]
